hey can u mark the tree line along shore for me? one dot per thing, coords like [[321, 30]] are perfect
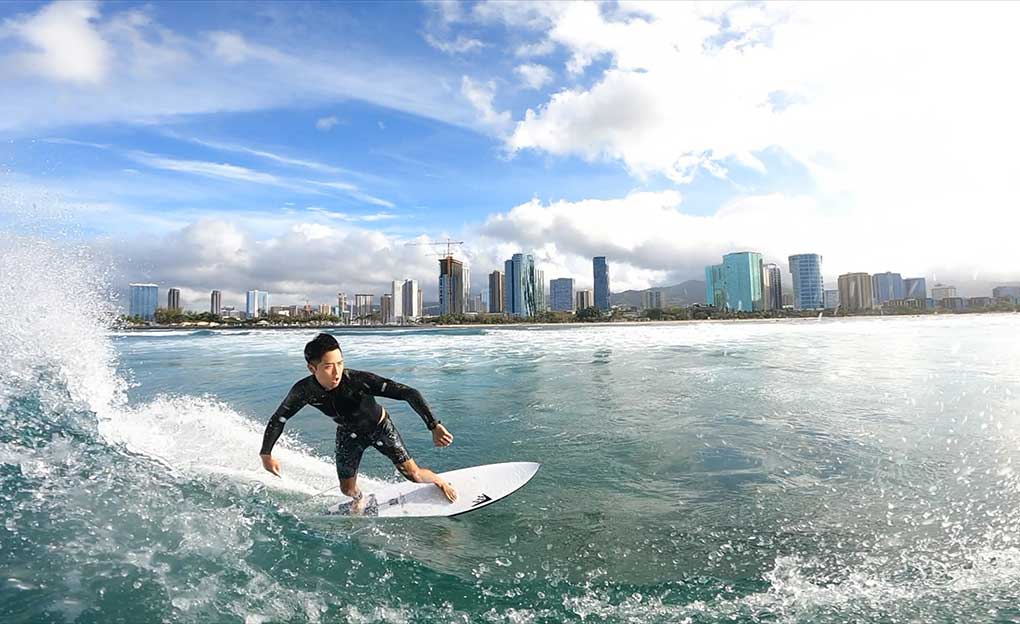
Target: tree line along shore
[[165, 319]]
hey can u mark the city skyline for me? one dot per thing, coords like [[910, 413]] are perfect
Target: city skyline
[[743, 277], [500, 124]]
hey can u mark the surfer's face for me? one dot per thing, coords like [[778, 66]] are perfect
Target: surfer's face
[[329, 369]]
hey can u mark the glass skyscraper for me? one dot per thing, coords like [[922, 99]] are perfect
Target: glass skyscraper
[[915, 288], [772, 284], [601, 273], [886, 287], [743, 281], [144, 298], [808, 291], [715, 286], [496, 292], [519, 286], [561, 294], [256, 303], [541, 305], [173, 299], [411, 300]]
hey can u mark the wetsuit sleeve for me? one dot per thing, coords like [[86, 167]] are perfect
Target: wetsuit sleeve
[[293, 402], [380, 386]]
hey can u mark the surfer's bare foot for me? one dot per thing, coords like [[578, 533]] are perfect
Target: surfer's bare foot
[[448, 491], [358, 506]]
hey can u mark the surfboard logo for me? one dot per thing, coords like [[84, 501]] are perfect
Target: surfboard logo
[[484, 498]]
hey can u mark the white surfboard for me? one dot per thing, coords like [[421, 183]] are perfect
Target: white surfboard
[[476, 487]]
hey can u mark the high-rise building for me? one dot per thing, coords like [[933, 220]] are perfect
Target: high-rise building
[[251, 304], [600, 270], [808, 290], [386, 309], [743, 281], [585, 299], [915, 288], [453, 284], [737, 283], [144, 298], [887, 286], [421, 300], [256, 303], [831, 299], [519, 286], [173, 299], [940, 292], [561, 294], [362, 313], [715, 285], [1006, 292], [325, 309], [772, 286], [495, 292], [855, 292], [541, 305], [342, 310], [410, 301], [651, 299], [397, 296], [215, 302], [476, 304]]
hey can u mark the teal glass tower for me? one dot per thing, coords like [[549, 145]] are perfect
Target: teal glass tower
[[143, 300], [808, 290]]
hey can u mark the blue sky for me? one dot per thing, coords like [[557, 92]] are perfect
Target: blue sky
[[661, 135]]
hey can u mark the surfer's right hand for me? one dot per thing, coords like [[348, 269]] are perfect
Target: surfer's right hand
[[269, 463]]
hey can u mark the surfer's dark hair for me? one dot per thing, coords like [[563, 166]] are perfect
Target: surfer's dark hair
[[319, 346]]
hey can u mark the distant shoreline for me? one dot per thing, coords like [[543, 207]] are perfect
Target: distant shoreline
[[642, 323]]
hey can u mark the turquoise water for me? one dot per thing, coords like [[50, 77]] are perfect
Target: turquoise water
[[798, 471]]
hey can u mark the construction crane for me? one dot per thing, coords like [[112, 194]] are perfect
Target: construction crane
[[449, 246]]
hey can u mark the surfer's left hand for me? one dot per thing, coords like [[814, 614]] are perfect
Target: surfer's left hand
[[441, 436]]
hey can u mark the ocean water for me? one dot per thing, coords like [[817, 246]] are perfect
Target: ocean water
[[856, 470]]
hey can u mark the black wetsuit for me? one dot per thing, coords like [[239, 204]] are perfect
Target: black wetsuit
[[353, 408]]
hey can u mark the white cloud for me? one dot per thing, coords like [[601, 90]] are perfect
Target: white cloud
[[222, 171], [231, 47], [150, 72], [299, 262], [67, 45], [353, 218], [460, 45], [481, 96], [530, 50], [653, 241], [353, 191], [533, 75], [532, 15], [274, 157], [900, 114], [326, 124], [236, 173]]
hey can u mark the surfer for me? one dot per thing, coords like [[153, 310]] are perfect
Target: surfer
[[348, 397]]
